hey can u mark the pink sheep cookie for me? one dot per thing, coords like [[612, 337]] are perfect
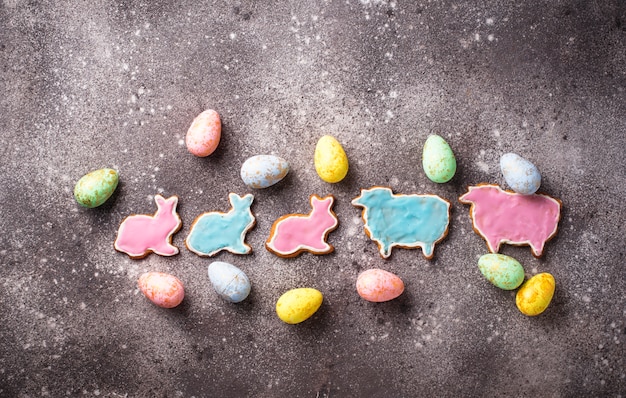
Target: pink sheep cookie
[[501, 216], [141, 234], [293, 234]]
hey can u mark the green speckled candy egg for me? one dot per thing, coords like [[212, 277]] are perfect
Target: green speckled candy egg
[[95, 188], [438, 159], [503, 271]]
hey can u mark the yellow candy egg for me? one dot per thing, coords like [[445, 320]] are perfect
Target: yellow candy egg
[[297, 305], [331, 162], [535, 294]]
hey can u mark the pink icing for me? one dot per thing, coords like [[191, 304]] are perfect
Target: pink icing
[[141, 234], [295, 233], [506, 217]]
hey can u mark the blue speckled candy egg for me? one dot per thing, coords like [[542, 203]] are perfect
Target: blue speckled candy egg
[[520, 174], [229, 282], [262, 171]]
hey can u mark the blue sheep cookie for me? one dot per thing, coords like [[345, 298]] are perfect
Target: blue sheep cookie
[[406, 221], [214, 231]]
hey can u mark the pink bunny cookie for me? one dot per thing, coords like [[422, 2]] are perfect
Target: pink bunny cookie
[[293, 234], [140, 235]]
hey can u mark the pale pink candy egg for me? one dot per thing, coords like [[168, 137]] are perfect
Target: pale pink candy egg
[[378, 285], [162, 289], [204, 133]]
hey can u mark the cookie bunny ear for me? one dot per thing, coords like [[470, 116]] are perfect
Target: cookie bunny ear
[[326, 201], [160, 201], [316, 199], [166, 204], [237, 201]]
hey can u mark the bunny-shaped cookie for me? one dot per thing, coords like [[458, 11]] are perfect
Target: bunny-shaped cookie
[[293, 234], [214, 231], [140, 235]]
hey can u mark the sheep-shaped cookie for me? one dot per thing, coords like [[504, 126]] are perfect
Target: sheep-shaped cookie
[[501, 216], [214, 231], [141, 234], [406, 221]]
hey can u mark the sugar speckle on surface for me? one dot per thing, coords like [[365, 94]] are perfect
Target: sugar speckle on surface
[[484, 167]]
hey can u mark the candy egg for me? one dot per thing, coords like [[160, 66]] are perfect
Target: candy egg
[[503, 271], [162, 289], [378, 285], [93, 189], [204, 133], [297, 305], [229, 282], [263, 171], [438, 159], [331, 162], [520, 174], [535, 294]]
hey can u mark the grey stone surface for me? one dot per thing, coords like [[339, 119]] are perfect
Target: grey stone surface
[[92, 84]]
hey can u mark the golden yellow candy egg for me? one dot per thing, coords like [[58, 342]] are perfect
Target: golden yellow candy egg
[[331, 162], [297, 305], [535, 294]]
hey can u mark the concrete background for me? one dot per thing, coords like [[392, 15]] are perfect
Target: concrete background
[[92, 84]]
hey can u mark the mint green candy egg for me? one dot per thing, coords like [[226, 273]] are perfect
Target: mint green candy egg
[[503, 271], [93, 189], [438, 160]]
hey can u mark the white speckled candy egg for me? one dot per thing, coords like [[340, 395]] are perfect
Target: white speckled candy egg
[[262, 171], [204, 133], [229, 282], [520, 174], [438, 159]]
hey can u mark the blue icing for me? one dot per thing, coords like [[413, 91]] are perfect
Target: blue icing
[[403, 220], [213, 232]]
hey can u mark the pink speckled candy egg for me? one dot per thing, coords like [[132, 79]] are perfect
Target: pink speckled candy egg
[[204, 134], [162, 289], [378, 285]]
